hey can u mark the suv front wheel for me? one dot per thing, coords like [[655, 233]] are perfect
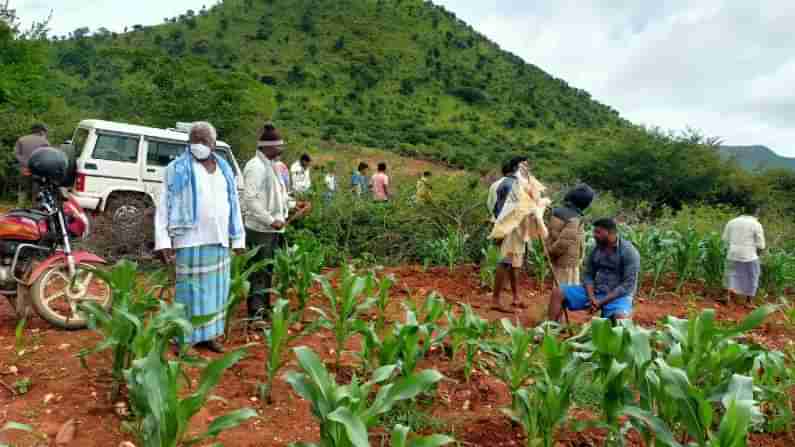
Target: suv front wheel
[[131, 219]]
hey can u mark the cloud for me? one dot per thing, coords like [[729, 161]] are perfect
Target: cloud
[[723, 66]]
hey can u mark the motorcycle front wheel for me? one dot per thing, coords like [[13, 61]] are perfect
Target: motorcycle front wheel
[[55, 297]]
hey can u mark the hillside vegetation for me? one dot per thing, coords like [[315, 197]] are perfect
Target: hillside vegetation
[[757, 157], [401, 75]]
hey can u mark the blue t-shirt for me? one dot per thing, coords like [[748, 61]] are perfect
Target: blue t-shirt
[[360, 182]]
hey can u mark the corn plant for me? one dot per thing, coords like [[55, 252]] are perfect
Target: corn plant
[[447, 251], [433, 308], [778, 272], [161, 416], [309, 261], [240, 285], [468, 331], [538, 260], [488, 266], [686, 253], [347, 412], [405, 345], [544, 405], [277, 338], [713, 260], [691, 407], [122, 323], [344, 307], [383, 287], [513, 358], [709, 354], [285, 271]]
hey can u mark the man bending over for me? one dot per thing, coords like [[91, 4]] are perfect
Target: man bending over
[[610, 281]]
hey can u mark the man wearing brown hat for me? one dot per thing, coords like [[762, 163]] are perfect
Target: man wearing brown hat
[[28, 189]]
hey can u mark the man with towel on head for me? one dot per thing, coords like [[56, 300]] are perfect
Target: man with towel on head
[[519, 218]]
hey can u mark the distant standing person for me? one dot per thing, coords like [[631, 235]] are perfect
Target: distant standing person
[[330, 179], [28, 188], [380, 184], [746, 239], [266, 206], [566, 240], [301, 173], [197, 221], [610, 280], [359, 183]]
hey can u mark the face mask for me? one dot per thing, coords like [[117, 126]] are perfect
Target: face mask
[[200, 151]]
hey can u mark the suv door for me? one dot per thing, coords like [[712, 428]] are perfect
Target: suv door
[[113, 163], [159, 153]]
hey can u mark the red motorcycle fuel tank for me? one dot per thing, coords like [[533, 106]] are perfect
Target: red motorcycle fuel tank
[[19, 228]]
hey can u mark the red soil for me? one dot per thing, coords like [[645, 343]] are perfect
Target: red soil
[[62, 390]]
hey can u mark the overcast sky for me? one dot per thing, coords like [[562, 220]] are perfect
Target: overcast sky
[[726, 67]]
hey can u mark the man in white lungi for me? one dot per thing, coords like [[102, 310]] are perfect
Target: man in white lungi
[[198, 220], [746, 239]]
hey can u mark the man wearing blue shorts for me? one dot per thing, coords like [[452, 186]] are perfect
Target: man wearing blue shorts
[[610, 280]]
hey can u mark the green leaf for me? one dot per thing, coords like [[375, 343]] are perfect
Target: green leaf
[[225, 422], [431, 441], [661, 431], [16, 426], [354, 427]]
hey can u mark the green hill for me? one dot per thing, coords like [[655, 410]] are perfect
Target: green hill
[[757, 157], [404, 75]]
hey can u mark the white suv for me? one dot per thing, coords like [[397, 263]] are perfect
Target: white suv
[[120, 169]]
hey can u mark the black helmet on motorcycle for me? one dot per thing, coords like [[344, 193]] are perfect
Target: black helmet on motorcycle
[[52, 165]]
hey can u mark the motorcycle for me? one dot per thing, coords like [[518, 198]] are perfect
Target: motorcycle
[[38, 265]]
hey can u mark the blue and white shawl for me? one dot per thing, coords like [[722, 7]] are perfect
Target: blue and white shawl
[[182, 198]]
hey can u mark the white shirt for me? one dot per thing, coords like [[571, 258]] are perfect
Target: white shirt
[[265, 198], [212, 213], [331, 182], [745, 237], [302, 181]]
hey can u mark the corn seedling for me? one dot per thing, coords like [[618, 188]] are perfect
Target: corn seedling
[[346, 412], [309, 261], [538, 260], [513, 358], [468, 331], [344, 307], [709, 354], [19, 336], [161, 416], [713, 260], [120, 324], [240, 284], [277, 337], [686, 253], [383, 287], [543, 406], [488, 266], [449, 250], [778, 272]]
